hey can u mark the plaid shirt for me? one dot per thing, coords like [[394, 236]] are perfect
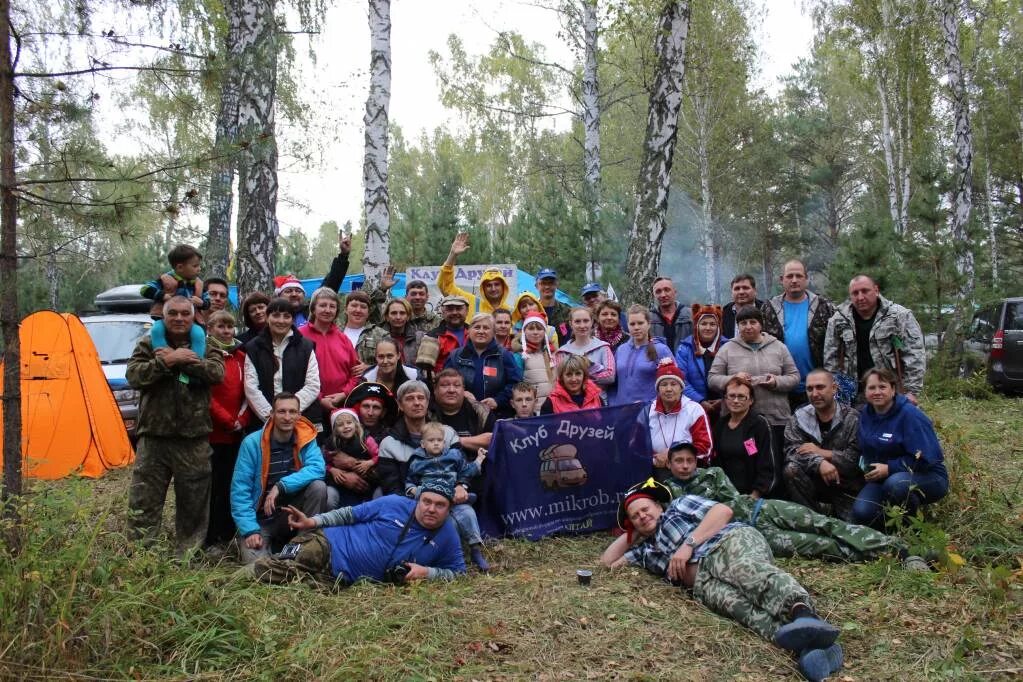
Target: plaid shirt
[[676, 524]]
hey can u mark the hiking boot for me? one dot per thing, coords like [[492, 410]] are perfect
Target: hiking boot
[[804, 633], [817, 664], [476, 552]]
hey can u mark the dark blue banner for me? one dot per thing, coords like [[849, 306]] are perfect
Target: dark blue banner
[[563, 473]]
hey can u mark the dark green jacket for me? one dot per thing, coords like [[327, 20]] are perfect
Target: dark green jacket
[[175, 401]]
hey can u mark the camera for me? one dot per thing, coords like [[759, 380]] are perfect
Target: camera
[[396, 574]]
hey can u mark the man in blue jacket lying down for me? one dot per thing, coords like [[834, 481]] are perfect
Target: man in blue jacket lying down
[[390, 539]]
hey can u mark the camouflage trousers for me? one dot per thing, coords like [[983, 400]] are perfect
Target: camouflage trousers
[[809, 489], [791, 529], [157, 461], [311, 565], [739, 580]]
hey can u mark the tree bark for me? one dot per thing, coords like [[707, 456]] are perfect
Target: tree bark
[[653, 184], [992, 227], [888, 145], [706, 198], [374, 168], [218, 242], [962, 177], [257, 162], [9, 280], [591, 139]]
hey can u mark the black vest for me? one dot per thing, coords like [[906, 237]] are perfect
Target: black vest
[[295, 361]]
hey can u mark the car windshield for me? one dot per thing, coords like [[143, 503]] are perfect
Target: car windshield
[[115, 341], [1014, 316]]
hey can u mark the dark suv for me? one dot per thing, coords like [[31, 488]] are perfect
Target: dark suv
[[995, 341]]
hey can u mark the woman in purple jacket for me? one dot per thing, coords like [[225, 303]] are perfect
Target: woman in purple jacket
[[637, 360]]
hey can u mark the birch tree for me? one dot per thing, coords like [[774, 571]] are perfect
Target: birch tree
[[374, 168], [218, 241], [653, 184], [257, 162], [962, 175], [713, 120], [590, 97]]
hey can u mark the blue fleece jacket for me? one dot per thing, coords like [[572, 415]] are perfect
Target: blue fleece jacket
[[636, 374], [693, 368], [250, 471], [903, 438], [364, 545]]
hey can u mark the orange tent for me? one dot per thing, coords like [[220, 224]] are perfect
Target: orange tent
[[69, 419]]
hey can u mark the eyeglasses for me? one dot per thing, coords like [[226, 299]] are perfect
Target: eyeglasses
[[735, 397]]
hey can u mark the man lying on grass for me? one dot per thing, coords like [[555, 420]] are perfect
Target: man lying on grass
[[693, 542], [390, 539], [789, 528]]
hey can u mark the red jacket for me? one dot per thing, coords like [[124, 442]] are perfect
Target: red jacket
[[561, 401], [227, 401]]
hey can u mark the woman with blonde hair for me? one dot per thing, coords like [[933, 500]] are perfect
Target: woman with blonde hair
[[574, 389]]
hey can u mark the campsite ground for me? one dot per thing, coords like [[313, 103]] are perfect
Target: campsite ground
[[80, 603]]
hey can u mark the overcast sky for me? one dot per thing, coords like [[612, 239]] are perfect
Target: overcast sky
[[334, 191]]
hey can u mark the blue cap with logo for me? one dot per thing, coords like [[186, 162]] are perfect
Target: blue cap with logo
[[591, 288], [547, 273]]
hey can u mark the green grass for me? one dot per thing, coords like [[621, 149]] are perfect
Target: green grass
[[82, 602]]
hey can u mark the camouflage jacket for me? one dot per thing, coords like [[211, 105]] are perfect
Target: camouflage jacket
[[714, 484], [379, 297], [175, 401], [896, 342], [367, 346], [821, 310], [842, 439]]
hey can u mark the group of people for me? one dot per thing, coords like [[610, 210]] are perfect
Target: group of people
[[346, 438]]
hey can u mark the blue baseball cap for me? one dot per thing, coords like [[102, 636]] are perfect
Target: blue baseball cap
[[591, 288], [546, 273]]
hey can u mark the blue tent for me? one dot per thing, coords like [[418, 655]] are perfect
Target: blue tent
[[524, 282]]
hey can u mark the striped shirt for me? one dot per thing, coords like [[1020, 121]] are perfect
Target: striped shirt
[[678, 521]]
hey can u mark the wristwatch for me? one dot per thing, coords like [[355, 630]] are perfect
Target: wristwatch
[[691, 541]]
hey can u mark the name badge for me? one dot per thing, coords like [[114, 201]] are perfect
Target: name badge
[[751, 446], [489, 371]]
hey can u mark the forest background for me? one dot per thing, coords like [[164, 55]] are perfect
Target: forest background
[[850, 164]]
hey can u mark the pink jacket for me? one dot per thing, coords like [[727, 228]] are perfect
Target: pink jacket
[[335, 356]]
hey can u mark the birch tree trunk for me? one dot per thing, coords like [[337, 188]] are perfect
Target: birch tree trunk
[[888, 145], [218, 240], [257, 162], [989, 217], [374, 168], [591, 139], [706, 198], [962, 178], [654, 181], [9, 284]]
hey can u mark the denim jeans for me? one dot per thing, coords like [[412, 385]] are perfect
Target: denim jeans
[[902, 489], [468, 526]]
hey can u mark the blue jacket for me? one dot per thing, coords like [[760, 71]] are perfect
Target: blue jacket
[[250, 471], [365, 545], [491, 374], [903, 438], [693, 368], [636, 374], [449, 466]]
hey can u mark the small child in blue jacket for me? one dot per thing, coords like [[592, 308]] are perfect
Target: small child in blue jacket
[[430, 462], [181, 280]]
